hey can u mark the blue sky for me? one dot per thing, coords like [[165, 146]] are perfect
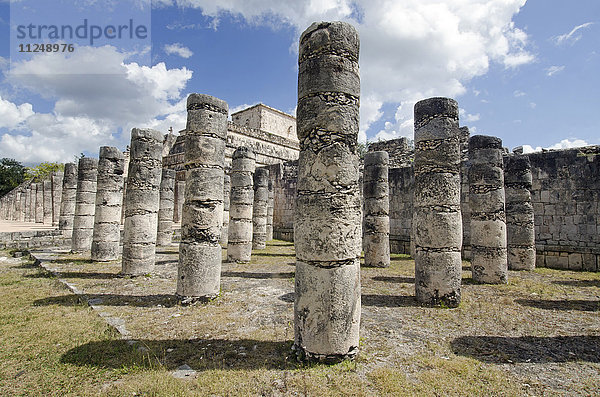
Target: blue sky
[[524, 71]]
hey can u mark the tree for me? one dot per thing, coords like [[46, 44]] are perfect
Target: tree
[[12, 174], [43, 170]]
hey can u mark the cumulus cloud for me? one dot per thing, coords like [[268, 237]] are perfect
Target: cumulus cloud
[[519, 93], [12, 115], [564, 144], [178, 49], [573, 36], [552, 70]]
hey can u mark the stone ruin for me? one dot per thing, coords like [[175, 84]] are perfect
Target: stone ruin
[[238, 184]]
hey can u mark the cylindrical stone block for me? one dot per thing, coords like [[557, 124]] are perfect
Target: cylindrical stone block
[[85, 205], [270, 209], [328, 216], [200, 253], [142, 201], [57, 182], [239, 245], [488, 221], [376, 193], [179, 200], [259, 209], [520, 231], [226, 194], [32, 201], [437, 224], [67, 201], [126, 168], [48, 201], [109, 196], [164, 234], [39, 202], [27, 207]]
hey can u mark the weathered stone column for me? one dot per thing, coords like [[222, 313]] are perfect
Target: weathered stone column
[[488, 220], [226, 195], [125, 175], [48, 201], [23, 195], [142, 201], [259, 209], [520, 230], [85, 205], [27, 207], [200, 253], [328, 216], [109, 196], [270, 208], [239, 246], [376, 192], [179, 200], [67, 201], [437, 224], [32, 201], [39, 202], [57, 182], [164, 234]]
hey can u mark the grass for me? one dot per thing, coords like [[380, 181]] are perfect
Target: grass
[[513, 339]]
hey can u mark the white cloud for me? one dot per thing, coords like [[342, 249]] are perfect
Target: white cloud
[[552, 70], [572, 37], [564, 144], [532, 105], [11, 115], [178, 49], [518, 94], [467, 117]]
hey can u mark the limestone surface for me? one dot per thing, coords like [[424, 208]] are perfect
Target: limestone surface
[[57, 182], [376, 238], [226, 201], [259, 209], [39, 202], [270, 208], [328, 216], [85, 205], [47, 184], [165, 211], [437, 224], [67, 201]]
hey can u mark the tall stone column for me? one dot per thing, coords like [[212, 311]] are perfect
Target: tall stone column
[[85, 205], [142, 201], [164, 234], [22, 195], [48, 201], [39, 202], [200, 253], [27, 208], [109, 196], [328, 216], [259, 209], [57, 182], [126, 168], [243, 165], [520, 231], [226, 194], [67, 200], [376, 192], [270, 209], [437, 224], [179, 199], [32, 202], [488, 220]]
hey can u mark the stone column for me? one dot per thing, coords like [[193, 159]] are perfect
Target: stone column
[[437, 224], [32, 201], [57, 182], [67, 200], [376, 192], [259, 209], [270, 208], [48, 201], [239, 246], [27, 203], [226, 194], [488, 220], [126, 168], [328, 216], [85, 205], [164, 233], [200, 253], [142, 201], [520, 231], [179, 199], [109, 196], [39, 202], [22, 195]]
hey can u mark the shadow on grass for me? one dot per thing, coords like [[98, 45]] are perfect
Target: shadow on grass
[[175, 250], [261, 275], [165, 262], [586, 306], [72, 260], [389, 300], [272, 254], [395, 279], [280, 244], [164, 300], [199, 354], [86, 275], [578, 283], [524, 349]]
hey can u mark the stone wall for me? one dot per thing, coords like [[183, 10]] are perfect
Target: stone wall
[[266, 118], [401, 152], [284, 177], [401, 182]]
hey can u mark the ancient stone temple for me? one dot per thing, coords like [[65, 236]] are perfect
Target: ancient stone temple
[[259, 210], [239, 245], [109, 196], [327, 224], [142, 201], [85, 205], [200, 253], [437, 219], [376, 238], [488, 220], [520, 230], [67, 201], [165, 210]]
